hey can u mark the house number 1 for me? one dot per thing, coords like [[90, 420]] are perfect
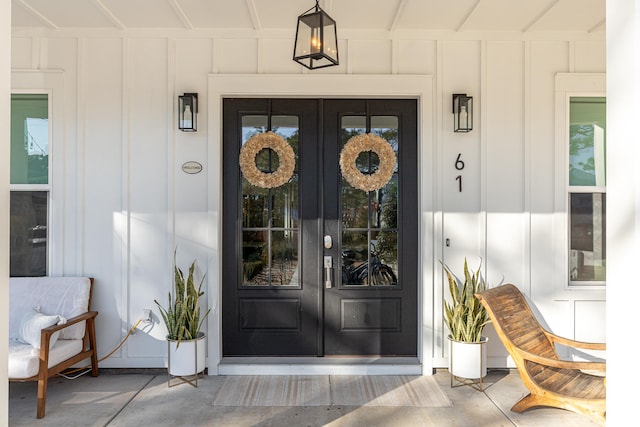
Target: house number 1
[[459, 165]]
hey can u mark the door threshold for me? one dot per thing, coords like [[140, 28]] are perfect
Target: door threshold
[[320, 366]]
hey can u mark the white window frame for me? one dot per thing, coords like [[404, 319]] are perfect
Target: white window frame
[[567, 86], [50, 83], [41, 187]]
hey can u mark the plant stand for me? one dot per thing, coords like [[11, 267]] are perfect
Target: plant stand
[[185, 368], [192, 380], [475, 382]]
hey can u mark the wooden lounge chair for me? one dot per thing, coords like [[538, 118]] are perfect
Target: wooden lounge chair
[[551, 381]]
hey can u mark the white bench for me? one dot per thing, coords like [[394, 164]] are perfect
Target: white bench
[[36, 355]]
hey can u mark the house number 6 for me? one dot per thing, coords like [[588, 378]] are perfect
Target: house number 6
[[459, 165]]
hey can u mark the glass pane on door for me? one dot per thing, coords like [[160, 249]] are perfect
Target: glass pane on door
[[270, 221], [369, 219]]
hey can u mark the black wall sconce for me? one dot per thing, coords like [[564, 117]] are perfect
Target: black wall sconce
[[316, 43], [188, 112], [462, 112]]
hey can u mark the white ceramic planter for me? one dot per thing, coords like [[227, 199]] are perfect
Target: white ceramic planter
[[187, 358], [468, 360]]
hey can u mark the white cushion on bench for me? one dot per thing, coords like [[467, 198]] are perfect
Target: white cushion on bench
[[24, 359], [64, 296], [32, 325]]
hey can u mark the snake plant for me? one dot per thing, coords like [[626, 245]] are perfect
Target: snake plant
[[182, 315], [465, 316]]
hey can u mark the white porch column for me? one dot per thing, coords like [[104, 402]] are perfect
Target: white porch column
[[5, 114], [623, 200]]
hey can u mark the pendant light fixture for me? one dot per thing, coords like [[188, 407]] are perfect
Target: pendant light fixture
[[316, 43]]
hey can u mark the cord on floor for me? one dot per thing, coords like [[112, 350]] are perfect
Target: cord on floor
[[69, 374]]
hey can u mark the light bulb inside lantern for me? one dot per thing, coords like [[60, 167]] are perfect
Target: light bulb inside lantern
[[463, 117], [187, 121], [316, 44]]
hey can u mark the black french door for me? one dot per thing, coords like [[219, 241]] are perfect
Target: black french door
[[316, 267]]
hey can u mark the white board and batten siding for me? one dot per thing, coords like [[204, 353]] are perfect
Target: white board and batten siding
[[127, 202]]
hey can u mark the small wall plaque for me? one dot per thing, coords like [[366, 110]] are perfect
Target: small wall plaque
[[191, 167]]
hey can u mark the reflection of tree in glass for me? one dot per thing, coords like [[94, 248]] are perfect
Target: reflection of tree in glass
[[253, 254], [391, 135], [349, 132], [293, 140], [38, 168], [284, 259], [354, 206], [582, 139], [388, 240], [388, 199], [250, 133], [254, 205], [589, 165]]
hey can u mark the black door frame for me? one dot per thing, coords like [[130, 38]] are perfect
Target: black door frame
[[230, 163]]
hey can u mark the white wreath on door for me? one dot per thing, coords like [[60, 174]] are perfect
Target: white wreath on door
[[361, 144], [286, 159]]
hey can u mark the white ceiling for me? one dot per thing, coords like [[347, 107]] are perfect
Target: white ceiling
[[388, 15]]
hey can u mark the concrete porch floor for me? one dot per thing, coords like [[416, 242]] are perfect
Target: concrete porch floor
[[143, 398]]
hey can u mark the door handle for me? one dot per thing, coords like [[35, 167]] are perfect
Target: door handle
[[328, 272]]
